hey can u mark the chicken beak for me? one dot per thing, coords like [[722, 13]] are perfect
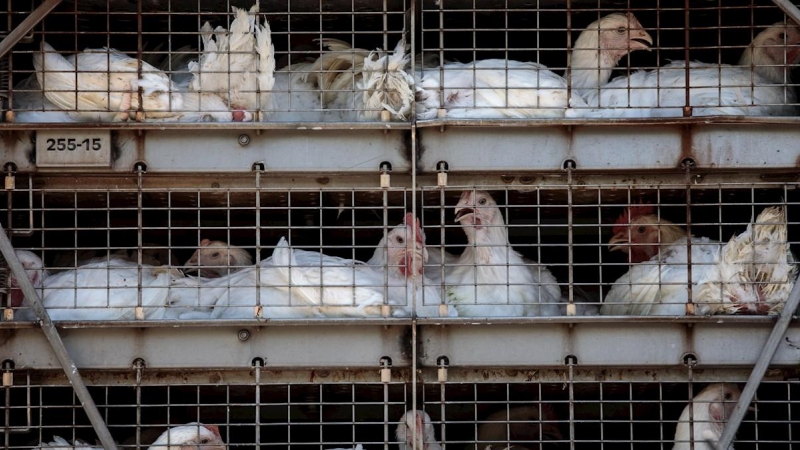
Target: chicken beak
[[463, 212], [640, 40], [619, 242]]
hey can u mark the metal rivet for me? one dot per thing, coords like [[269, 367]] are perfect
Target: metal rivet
[[215, 185], [243, 335], [244, 139]]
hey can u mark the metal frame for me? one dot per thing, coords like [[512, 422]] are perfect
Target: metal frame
[[683, 140]]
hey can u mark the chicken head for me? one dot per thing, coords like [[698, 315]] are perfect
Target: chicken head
[[710, 410], [217, 258], [476, 209], [773, 50], [614, 35], [34, 268], [640, 233]]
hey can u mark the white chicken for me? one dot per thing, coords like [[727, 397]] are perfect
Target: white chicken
[[352, 84], [757, 86], [363, 284], [192, 436], [238, 65], [34, 270], [756, 270], [31, 106], [101, 85], [299, 283], [244, 294], [499, 88], [659, 285], [217, 258], [106, 290], [426, 293], [416, 424], [490, 278], [151, 255], [710, 410]]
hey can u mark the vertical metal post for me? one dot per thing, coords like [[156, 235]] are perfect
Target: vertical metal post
[[688, 165], [140, 313], [259, 310], [571, 361], [690, 363], [56, 343], [138, 366], [687, 108], [571, 308], [257, 363]]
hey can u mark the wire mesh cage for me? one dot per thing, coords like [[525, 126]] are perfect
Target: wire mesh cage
[[151, 251], [293, 61], [307, 61], [551, 60], [264, 409]]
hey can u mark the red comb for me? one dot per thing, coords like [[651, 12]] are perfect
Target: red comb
[[214, 429], [408, 219], [630, 214]]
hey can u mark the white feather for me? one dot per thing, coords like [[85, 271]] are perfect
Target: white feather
[[658, 287], [757, 86], [710, 410], [106, 290], [416, 424], [237, 65], [491, 278]]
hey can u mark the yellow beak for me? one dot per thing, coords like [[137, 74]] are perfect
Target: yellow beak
[[619, 242]]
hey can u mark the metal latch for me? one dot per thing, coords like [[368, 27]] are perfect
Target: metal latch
[[8, 373], [386, 369], [441, 173], [10, 178], [386, 168], [442, 363]]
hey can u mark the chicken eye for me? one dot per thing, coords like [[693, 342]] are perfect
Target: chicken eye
[[215, 255], [622, 30], [782, 36], [640, 229], [204, 441], [400, 240], [482, 201]]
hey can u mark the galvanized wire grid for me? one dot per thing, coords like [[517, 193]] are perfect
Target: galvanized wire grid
[[554, 248], [73, 228], [446, 38], [507, 37], [618, 414], [263, 412], [164, 38]]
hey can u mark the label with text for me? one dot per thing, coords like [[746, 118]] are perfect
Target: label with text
[[72, 148]]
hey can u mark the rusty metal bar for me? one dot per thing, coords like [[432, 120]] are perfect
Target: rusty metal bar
[[27, 25], [749, 391], [51, 333]]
